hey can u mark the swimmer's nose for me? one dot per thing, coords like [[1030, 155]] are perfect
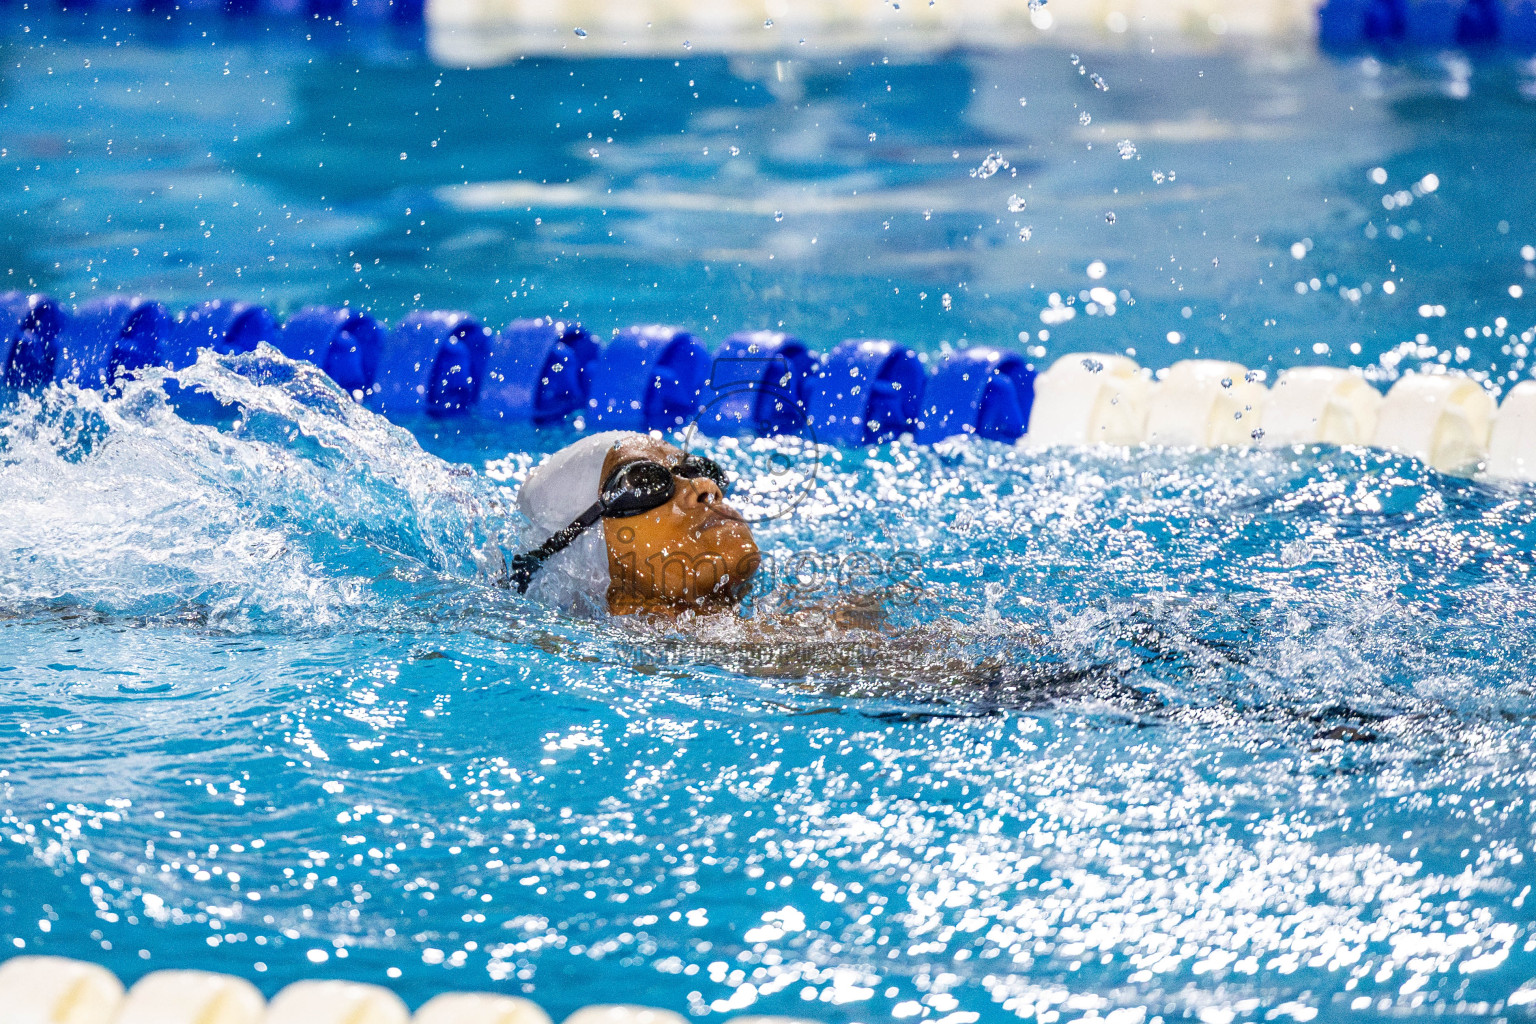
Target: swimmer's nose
[[699, 491]]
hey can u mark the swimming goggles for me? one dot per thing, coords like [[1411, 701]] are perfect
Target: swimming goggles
[[632, 489]]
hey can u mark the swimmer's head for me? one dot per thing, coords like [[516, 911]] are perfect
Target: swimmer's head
[[630, 524]]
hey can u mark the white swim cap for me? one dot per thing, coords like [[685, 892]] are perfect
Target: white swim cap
[[555, 494]]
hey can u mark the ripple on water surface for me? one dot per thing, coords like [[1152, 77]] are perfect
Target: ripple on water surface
[[1159, 733]]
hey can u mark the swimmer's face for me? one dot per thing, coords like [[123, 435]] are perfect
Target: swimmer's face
[[693, 552]]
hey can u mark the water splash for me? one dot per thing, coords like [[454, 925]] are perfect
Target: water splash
[[240, 489]]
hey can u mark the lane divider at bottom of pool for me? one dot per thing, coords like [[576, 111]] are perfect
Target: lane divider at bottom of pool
[[60, 990], [446, 365]]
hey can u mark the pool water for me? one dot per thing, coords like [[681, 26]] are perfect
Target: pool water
[[1230, 735]]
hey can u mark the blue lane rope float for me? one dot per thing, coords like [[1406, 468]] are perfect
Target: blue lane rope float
[[226, 327], [539, 372], [433, 365], [757, 386], [450, 365], [1348, 24], [868, 391], [113, 335], [445, 365], [647, 378], [983, 391], [32, 326], [346, 343]]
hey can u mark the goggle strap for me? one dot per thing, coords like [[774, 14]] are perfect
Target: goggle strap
[[520, 573]]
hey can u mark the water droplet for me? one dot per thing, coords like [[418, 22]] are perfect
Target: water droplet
[[1109, 218], [1026, 233], [947, 301], [768, 23], [1085, 119], [1093, 365], [1258, 434], [993, 163], [1226, 382], [1016, 203], [1127, 149], [581, 32], [1098, 82], [778, 215]]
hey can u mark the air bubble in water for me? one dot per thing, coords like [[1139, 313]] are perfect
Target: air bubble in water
[[593, 152], [1023, 101], [1085, 119], [687, 45], [768, 23], [1026, 233], [1035, 5], [1127, 149], [581, 32], [734, 151], [947, 301], [778, 215], [1098, 82], [871, 136], [1157, 177], [1226, 382], [1016, 203], [1109, 218]]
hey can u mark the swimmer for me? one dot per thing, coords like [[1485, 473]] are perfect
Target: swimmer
[[629, 524]]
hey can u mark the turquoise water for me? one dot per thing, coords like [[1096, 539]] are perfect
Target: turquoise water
[[1225, 735]]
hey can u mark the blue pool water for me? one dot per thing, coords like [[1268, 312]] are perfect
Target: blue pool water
[[1220, 735]]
